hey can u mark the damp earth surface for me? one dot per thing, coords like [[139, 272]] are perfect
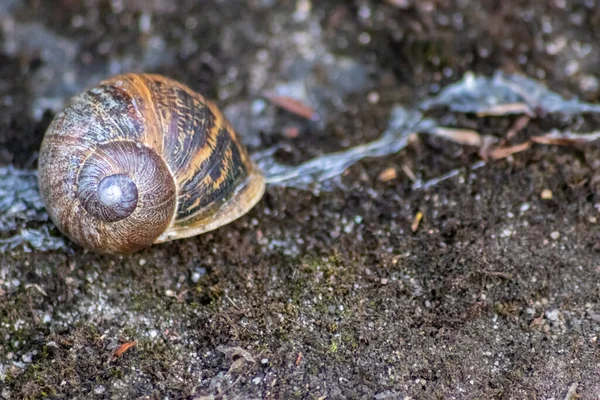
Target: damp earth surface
[[392, 283]]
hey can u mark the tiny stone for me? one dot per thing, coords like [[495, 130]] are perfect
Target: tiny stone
[[524, 207], [264, 361], [99, 389], [552, 315], [588, 83], [373, 97], [256, 380], [546, 194], [364, 38], [258, 106], [153, 333], [142, 261], [195, 277], [384, 281], [387, 174], [364, 12], [19, 365], [26, 358], [77, 21], [506, 233], [145, 23], [572, 68], [555, 235]]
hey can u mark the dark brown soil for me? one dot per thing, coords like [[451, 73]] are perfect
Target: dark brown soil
[[496, 294]]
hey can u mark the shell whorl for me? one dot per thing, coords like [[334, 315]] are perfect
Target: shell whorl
[[142, 159]]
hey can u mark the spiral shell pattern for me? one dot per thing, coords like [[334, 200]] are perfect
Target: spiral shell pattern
[[142, 159]]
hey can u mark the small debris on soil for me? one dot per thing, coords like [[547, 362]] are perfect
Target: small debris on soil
[[122, 349], [323, 291]]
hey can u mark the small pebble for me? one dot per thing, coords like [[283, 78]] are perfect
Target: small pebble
[[99, 389], [256, 380], [142, 261], [552, 315], [145, 23], [387, 174], [373, 97], [364, 38], [555, 235], [195, 277], [546, 194]]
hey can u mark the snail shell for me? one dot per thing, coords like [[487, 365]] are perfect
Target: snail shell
[[142, 159]]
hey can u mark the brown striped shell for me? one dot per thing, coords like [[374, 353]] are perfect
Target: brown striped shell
[[142, 159]]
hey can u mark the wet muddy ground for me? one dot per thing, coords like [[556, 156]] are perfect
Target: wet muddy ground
[[496, 293]]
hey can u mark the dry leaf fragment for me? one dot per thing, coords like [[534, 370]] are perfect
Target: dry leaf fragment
[[239, 357], [516, 127], [566, 138], [36, 287], [236, 352], [461, 136], [291, 132], [498, 153], [402, 4], [298, 358], [293, 106], [505, 109], [123, 348], [409, 172]]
